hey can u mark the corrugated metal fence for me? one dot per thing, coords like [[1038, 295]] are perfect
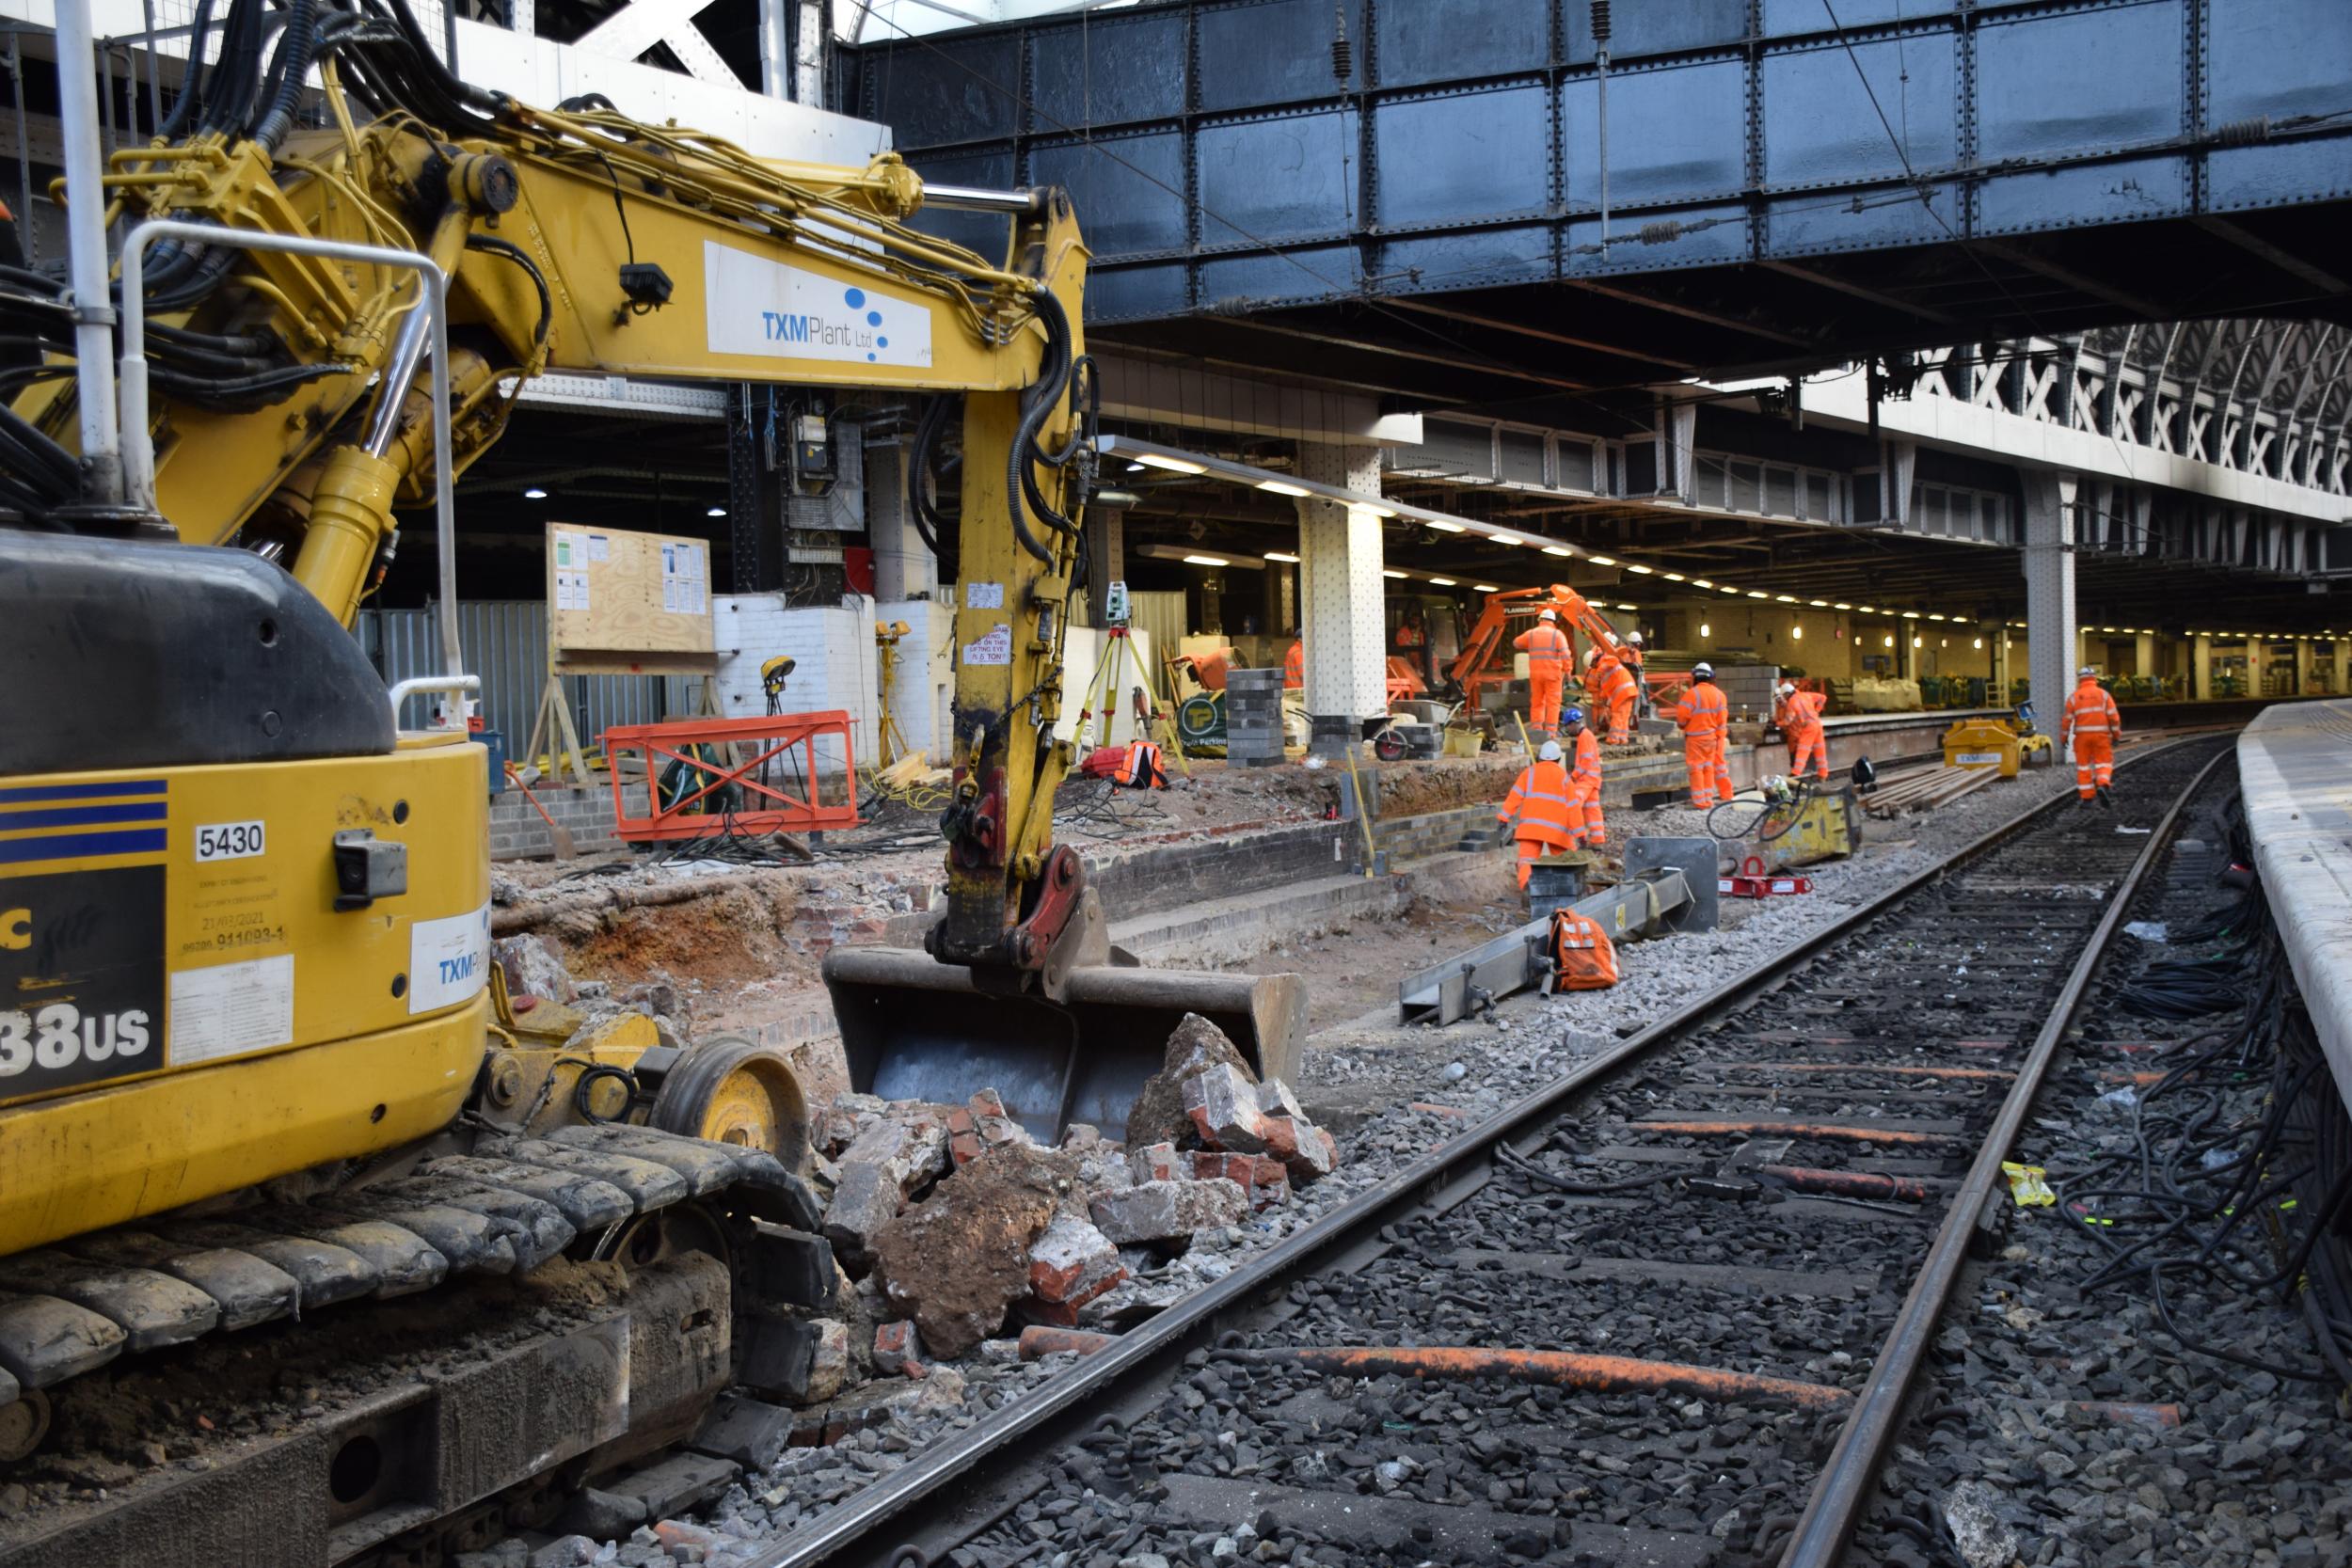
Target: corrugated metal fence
[[505, 642]]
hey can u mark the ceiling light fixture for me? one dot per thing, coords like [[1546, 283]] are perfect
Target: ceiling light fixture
[[1444, 527], [1555, 549], [1603, 560], [535, 494], [1282, 487], [1173, 465], [716, 511], [1388, 572], [1280, 555], [1484, 588], [1444, 582], [1206, 560], [1706, 630]]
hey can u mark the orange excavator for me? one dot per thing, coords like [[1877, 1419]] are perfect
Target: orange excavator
[[1485, 657]]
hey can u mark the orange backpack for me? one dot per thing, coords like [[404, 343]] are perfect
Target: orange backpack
[[1582, 956]]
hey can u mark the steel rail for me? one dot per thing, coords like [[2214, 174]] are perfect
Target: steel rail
[[1080, 1395], [1852, 1473]]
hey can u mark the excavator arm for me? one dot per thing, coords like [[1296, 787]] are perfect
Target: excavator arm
[[1484, 657], [580, 239]]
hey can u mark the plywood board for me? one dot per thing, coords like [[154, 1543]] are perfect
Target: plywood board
[[626, 603]]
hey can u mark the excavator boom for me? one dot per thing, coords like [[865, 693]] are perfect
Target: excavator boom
[[246, 961]]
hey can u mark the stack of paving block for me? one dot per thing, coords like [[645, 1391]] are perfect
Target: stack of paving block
[[1253, 717], [1748, 688]]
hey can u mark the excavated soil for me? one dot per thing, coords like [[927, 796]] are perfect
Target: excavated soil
[[731, 937]]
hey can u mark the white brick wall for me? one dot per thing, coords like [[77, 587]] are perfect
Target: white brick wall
[[838, 666]]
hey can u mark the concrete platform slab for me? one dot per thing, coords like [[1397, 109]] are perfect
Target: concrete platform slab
[[2295, 761]]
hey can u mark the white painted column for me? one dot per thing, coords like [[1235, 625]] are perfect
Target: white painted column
[[2051, 630], [1342, 594], [2302, 669], [2254, 667], [2200, 667], [904, 567], [2144, 653]]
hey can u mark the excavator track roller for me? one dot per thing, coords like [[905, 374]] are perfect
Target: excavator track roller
[[732, 1090]]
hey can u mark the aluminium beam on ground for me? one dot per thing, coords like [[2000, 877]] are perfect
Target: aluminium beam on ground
[[1664, 897]]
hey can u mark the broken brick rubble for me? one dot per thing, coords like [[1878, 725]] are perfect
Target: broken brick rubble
[[1167, 1211]]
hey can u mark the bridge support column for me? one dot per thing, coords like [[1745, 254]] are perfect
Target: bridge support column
[[904, 567], [1342, 595], [2051, 632], [2200, 667], [2144, 653], [2302, 669]]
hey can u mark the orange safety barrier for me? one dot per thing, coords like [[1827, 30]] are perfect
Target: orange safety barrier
[[744, 776]]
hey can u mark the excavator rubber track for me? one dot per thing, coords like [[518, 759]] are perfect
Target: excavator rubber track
[[627, 1374]]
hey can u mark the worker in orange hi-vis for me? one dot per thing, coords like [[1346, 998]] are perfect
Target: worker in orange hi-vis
[[1295, 666], [1630, 656], [1612, 690], [1583, 780], [1550, 659], [1702, 715], [1537, 808], [2089, 730], [1799, 716]]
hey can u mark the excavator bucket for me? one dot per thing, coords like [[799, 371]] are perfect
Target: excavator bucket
[[914, 1028]]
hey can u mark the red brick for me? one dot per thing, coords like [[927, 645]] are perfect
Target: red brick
[[1222, 1104], [1073, 1262], [1156, 1163], [964, 1148], [898, 1351], [988, 1102]]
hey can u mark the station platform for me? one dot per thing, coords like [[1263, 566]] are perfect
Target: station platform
[[2295, 761]]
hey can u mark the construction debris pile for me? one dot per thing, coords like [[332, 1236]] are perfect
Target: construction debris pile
[[959, 1224]]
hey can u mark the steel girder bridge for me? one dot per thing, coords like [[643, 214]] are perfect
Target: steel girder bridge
[[1478, 201]]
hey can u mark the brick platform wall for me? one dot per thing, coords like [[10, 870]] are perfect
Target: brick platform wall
[[518, 834]]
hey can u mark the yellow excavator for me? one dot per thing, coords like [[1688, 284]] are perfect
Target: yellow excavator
[[255, 1058]]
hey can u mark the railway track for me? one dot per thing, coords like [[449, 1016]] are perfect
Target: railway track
[[1664, 1312]]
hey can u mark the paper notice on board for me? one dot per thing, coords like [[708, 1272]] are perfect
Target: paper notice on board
[[983, 595], [566, 550], [599, 549], [571, 587], [684, 579]]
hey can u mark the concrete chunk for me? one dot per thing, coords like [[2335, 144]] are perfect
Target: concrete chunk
[[1164, 1210], [749, 1432], [957, 1261], [866, 1198], [1222, 1104], [829, 1362], [1275, 1100], [677, 1484], [1195, 1046]]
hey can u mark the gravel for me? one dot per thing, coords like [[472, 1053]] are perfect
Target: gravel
[[2011, 1457], [1414, 1088]]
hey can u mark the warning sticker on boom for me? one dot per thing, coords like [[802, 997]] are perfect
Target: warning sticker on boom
[[994, 648]]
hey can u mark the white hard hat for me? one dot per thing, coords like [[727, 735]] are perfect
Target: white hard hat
[[2088, 671], [1546, 615], [1634, 637], [1703, 671], [1787, 688], [1548, 751]]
